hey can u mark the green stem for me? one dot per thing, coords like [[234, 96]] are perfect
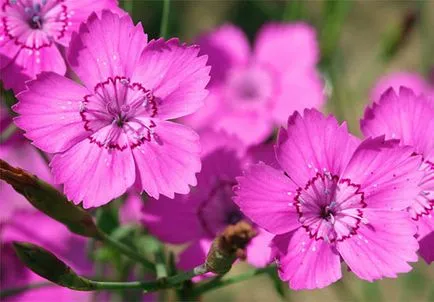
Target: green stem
[[19, 289], [218, 282], [165, 19], [127, 251], [8, 132]]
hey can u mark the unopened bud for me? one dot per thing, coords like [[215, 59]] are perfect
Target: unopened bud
[[48, 200], [48, 266], [228, 246]]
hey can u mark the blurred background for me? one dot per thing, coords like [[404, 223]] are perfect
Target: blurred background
[[360, 42]]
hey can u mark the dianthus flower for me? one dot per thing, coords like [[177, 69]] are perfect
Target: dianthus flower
[[260, 87], [335, 198], [197, 218], [112, 131], [410, 118], [33, 33]]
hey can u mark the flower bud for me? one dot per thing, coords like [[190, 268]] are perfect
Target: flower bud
[[48, 200], [48, 266], [228, 246]]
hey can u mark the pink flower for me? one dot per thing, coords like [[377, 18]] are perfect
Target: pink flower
[[33, 32], [51, 235], [260, 87], [130, 212], [198, 217], [18, 152], [336, 198], [395, 80], [113, 131], [410, 118]]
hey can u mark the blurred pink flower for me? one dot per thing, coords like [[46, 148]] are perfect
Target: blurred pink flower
[[18, 151], [198, 217], [51, 235], [114, 131], [336, 198], [130, 212], [395, 80], [410, 118], [33, 32], [251, 90]]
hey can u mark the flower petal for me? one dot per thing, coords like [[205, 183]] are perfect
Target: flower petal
[[314, 143], [403, 116], [284, 46], [94, 174], [395, 80], [265, 195], [106, 47], [426, 249], [29, 63], [382, 247], [168, 163], [81, 11], [259, 249], [194, 255], [304, 262], [226, 47], [239, 124], [298, 90], [50, 112], [387, 174], [175, 74], [173, 221]]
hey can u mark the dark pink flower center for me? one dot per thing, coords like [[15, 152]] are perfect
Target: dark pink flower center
[[248, 86], [423, 205], [119, 114], [330, 209], [34, 24], [218, 210]]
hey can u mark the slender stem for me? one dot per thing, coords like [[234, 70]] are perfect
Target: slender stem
[[128, 252], [8, 132], [218, 282], [19, 289], [165, 19]]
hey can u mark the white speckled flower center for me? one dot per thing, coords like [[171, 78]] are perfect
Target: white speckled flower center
[[119, 113], [34, 24], [330, 209]]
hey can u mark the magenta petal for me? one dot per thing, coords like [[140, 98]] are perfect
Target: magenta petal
[[49, 112], [314, 143], [306, 263], [259, 249], [373, 253], [298, 90], [240, 124], [395, 80], [130, 212], [426, 249], [168, 164], [175, 74], [226, 47], [265, 195], [106, 47], [29, 63], [194, 255], [81, 11], [94, 174], [173, 221], [388, 174], [286, 46], [403, 116]]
